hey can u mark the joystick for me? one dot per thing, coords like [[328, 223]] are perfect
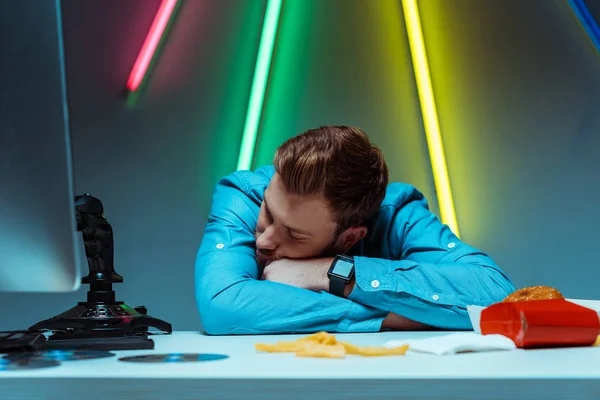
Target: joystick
[[101, 322]]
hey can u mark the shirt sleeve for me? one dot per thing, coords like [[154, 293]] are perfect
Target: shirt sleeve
[[232, 299], [431, 276]]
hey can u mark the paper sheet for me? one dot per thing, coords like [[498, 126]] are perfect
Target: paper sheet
[[456, 343]]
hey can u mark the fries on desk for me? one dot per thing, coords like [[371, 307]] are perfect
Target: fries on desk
[[323, 344]]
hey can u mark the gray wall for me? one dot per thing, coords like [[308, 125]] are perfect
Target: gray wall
[[517, 85], [518, 90]]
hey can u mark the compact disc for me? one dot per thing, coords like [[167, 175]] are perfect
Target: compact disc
[[174, 358], [25, 364], [59, 355]]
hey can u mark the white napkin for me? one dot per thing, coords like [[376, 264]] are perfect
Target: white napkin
[[456, 343]]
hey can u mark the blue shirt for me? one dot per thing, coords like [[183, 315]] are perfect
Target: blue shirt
[[409, 263]]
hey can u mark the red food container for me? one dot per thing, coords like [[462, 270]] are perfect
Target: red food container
[[542, 323]]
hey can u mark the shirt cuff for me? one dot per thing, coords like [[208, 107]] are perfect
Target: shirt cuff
[[377, 284], [373, 275]]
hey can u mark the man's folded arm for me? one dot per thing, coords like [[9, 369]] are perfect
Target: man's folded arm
[[232, 299], [431, 275]]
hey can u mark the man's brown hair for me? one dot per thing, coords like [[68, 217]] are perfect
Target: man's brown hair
[[340, 164]]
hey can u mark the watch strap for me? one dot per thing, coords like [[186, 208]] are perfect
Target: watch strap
[[337, 286]]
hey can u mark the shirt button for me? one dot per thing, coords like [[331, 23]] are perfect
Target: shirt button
[[451, 245], [220, 245], [435, 297], [375, 284]]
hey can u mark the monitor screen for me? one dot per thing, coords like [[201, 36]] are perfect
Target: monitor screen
[[38, 236]]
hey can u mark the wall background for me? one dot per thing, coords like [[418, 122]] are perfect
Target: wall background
[[517, 86]]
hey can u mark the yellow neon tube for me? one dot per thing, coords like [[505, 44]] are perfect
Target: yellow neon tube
[[429, 112]]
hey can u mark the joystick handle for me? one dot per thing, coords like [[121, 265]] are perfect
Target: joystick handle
[[98, 242]]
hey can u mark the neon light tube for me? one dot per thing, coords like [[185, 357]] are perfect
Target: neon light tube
[[586, 19], [259, 84], [153, 37], [429, 112]]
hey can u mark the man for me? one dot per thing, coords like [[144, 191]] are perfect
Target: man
[[274, 234]]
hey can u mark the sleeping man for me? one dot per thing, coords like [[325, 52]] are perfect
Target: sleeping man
[[320, 241]]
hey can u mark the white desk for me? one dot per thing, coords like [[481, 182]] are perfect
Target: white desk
[[572, 373]]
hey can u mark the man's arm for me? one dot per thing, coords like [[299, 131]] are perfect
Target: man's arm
[[232, 299], [431, 275], [424, 277]]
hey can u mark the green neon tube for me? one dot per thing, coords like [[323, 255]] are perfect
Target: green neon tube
[[259, 84]]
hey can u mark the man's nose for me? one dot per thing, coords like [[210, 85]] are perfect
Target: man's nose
[[267, 239]]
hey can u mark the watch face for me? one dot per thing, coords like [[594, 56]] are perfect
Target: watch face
[[343, 268]]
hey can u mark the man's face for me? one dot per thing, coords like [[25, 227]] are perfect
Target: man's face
[[292, 226]]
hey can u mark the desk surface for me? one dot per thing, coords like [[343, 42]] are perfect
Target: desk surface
[[382, 374]]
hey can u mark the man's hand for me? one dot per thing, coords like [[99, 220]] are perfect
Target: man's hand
[[308, 274]]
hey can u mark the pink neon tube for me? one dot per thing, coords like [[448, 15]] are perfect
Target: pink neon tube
[[149, 47]]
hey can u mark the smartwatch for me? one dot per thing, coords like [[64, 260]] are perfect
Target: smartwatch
[[340, 273]]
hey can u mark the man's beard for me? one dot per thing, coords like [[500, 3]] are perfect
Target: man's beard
[[263, 258], [330, 250]]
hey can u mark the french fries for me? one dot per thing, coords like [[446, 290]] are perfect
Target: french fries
[[323, 344]]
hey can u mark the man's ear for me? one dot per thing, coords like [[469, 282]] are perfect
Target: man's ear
[[350, 237]]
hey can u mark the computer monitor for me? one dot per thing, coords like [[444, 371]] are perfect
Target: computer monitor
[[39, 242]]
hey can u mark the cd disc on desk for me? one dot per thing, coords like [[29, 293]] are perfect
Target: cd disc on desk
[[59, 355], [174, 358], [25, 364]]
